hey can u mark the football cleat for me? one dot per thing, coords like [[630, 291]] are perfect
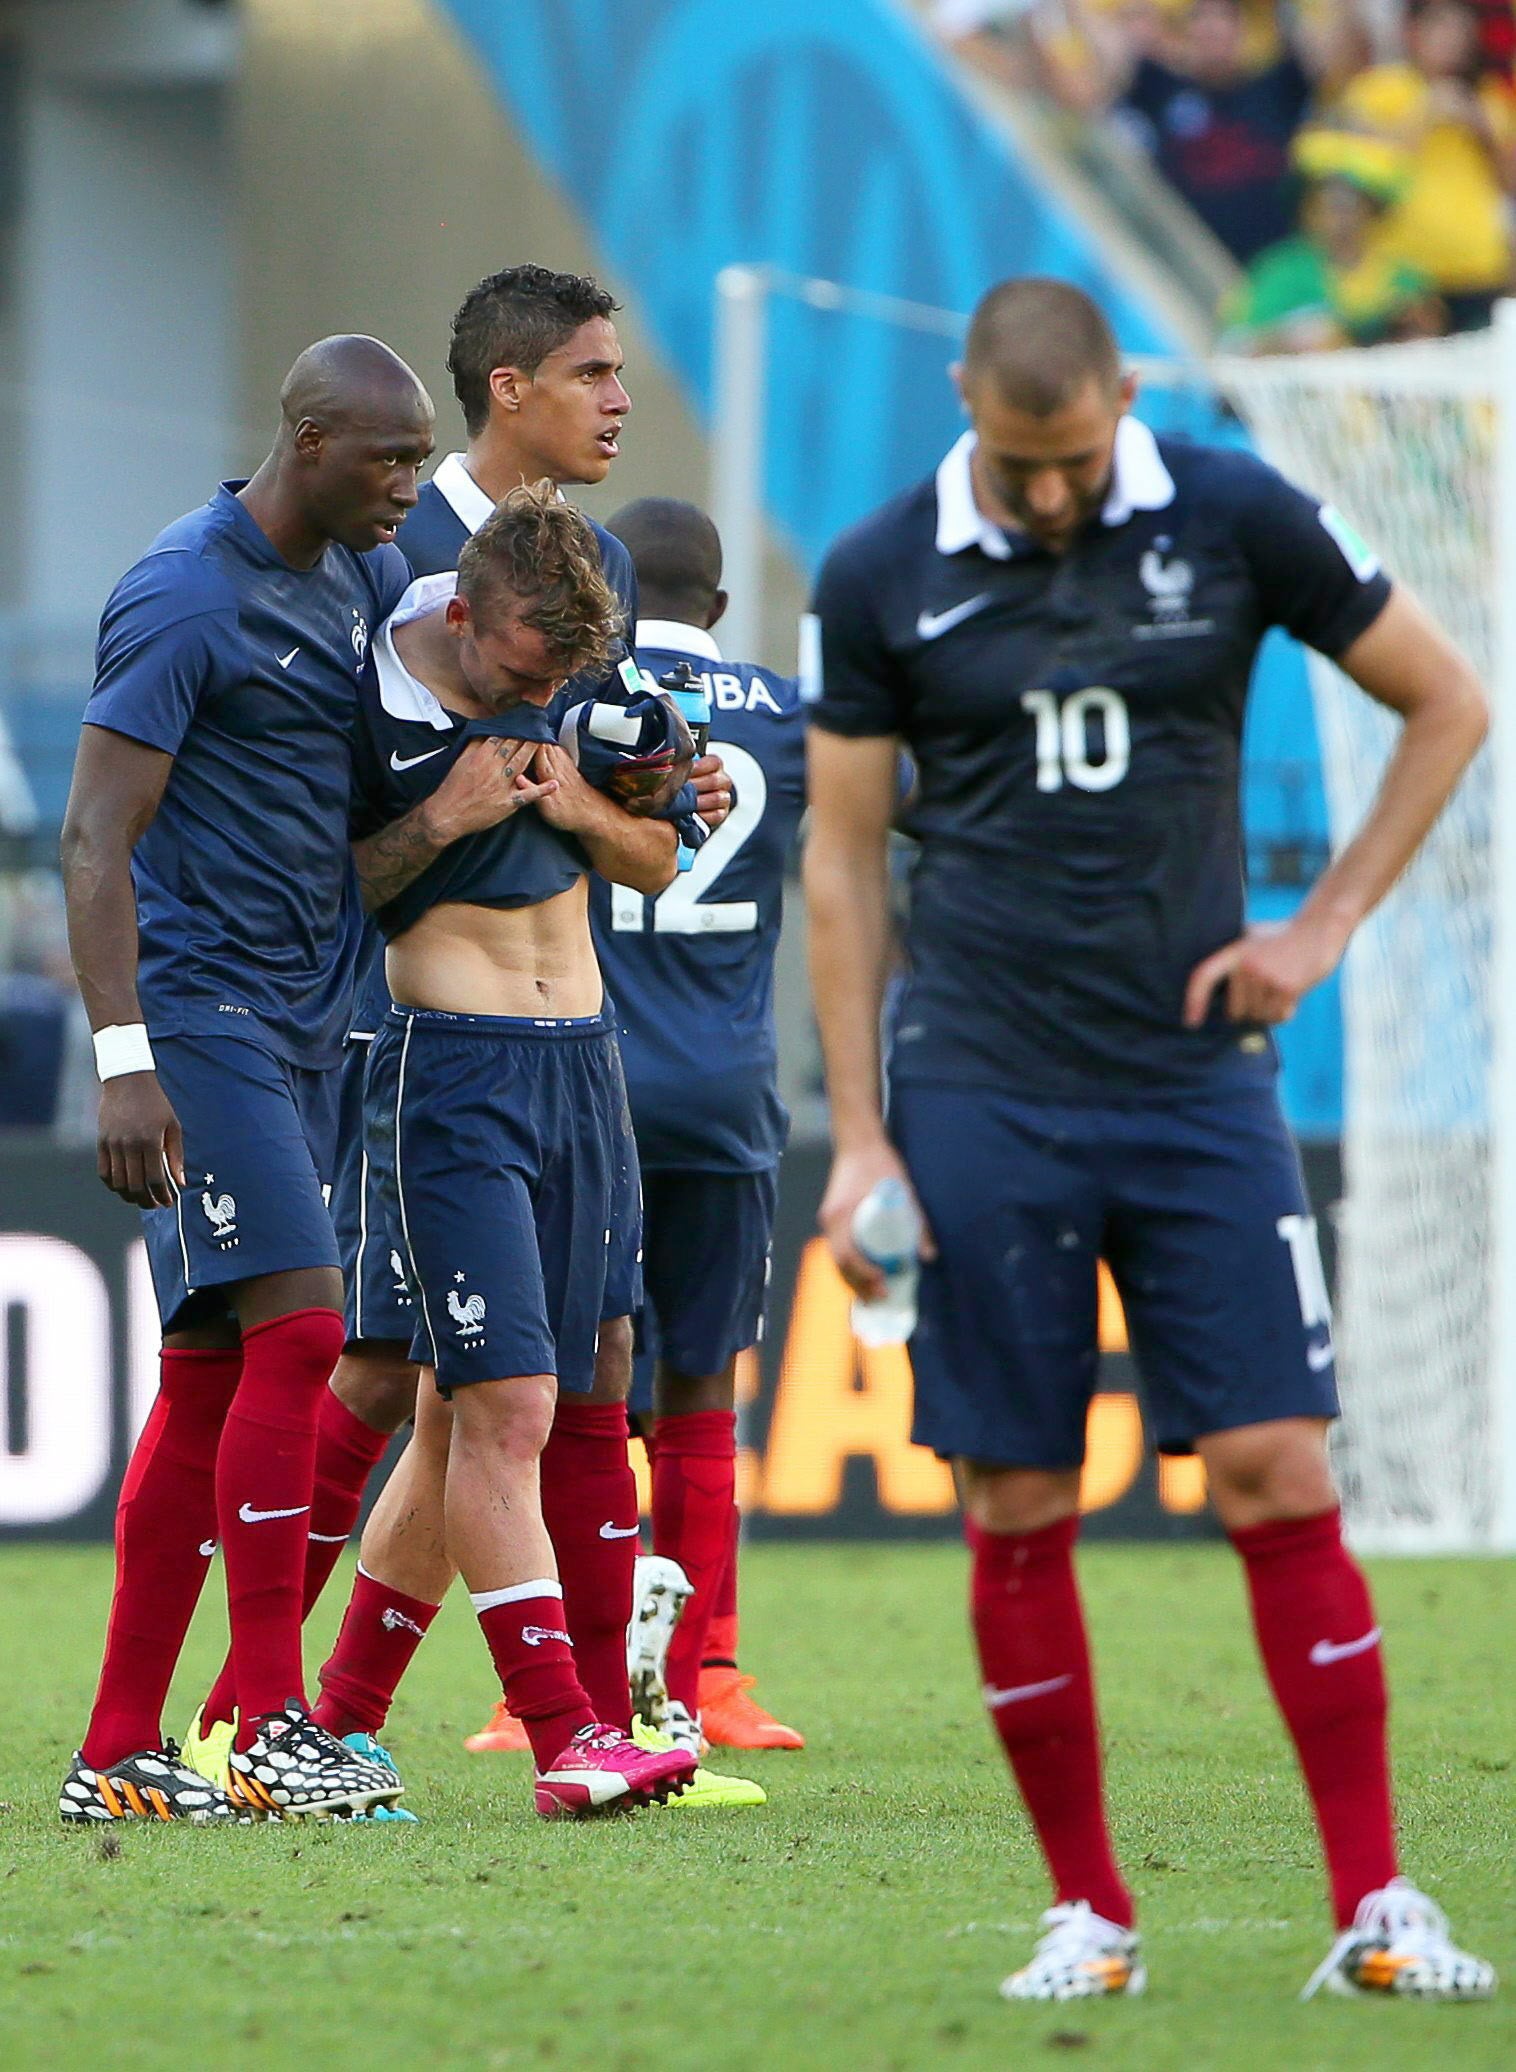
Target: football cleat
[[659, 1590], [154, 1785], [502, 1735], [1081, 1956], [295, 1770], [208, 1750], [683, 1728], [366, 1746], [705, 1788], [605, 1771], [731, 1719], [1399, 1943]]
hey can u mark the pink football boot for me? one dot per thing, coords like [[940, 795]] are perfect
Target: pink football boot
[[604, 1771]]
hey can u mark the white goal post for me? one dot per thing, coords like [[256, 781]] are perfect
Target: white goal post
[[1416, 446]]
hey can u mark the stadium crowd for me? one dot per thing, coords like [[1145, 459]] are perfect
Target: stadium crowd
[[1356, 161]]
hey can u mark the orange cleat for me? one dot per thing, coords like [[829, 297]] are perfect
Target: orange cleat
[[729, 1718], [504, 1735]]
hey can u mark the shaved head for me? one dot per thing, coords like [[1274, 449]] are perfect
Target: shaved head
[[351, 380], [676, 551], [1035, 344]]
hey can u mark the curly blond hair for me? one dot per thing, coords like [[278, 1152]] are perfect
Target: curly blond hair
[[536, 555]]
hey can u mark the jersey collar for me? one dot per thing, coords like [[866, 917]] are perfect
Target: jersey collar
[[453, 481], [1140, 481], [402, 695], [674, 637]]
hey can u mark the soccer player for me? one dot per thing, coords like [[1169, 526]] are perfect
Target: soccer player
[[207, 872], [1061, 628], [692, 978], [494, 1103]]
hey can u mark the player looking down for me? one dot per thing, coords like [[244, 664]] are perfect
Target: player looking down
[[207, 872], [1061, 628], [495, 1108]]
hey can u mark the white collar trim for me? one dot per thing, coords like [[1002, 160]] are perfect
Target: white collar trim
[[453, 480], [402, 695], [677, 638], [1140, 481]]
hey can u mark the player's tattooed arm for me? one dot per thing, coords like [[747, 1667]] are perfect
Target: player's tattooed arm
[[487, 784], [624, 846], [116, 789]]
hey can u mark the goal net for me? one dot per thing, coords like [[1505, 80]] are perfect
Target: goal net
[[1405, 442]]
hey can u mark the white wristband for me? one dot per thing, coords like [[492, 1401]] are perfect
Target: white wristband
[[123, 1047]]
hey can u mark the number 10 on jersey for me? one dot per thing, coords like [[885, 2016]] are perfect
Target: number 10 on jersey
[[1063, 738]]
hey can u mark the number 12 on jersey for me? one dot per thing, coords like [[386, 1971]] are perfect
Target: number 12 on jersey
[[682, 909], [1063, 738]]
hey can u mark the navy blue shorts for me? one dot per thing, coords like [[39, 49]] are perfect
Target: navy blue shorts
[[259, 1146], [497, 1146], [379, 1304], [1198, 1207], [623, 1272], [705, 1262]]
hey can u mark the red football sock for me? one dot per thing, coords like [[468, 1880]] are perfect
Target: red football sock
[[721, 1634], [589, 1505], [694, 1480], [534, 1660], [381, 1630], [165, 1535], [1320, 1645], [347, 1451], [1029, 1624], [265, 1475]]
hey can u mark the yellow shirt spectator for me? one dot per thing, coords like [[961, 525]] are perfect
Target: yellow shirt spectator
[[1452, 224]]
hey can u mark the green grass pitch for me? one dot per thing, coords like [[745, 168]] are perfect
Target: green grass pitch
[[861, 1921]]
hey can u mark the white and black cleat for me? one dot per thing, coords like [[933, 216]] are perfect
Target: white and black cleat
[[1080, 1956], [1400, 1943], [295, 1770], [660, 1589], [154, 1785]]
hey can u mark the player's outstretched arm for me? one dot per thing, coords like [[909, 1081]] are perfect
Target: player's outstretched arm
[[626, 847], [853, 784], [1406, 662], [116, 788], [487, 784]]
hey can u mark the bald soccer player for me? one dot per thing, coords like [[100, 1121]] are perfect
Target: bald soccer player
[[212, 912]]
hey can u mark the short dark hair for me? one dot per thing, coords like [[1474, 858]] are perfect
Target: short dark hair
[[675, 548], [1040, 341], [515, 318], [537, 553]]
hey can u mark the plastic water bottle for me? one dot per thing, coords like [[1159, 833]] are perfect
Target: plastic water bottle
[[887, 1231], [691, 693]]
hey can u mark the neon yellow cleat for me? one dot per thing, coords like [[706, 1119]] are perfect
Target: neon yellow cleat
[[705, 1788], [209, 1754]]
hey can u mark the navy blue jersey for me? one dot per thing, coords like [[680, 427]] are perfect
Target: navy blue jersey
[[1076, 724], [243, 669], [404, 744], [449, 510], [691, 973]]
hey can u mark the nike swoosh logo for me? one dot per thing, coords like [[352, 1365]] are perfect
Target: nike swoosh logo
[[618, 1532], [251, 1517], [1326, 1652], [994, 1699], [409, 762], [329, 1539], [932, 625], [1319, 1357], [207, 1548], [285, 660]]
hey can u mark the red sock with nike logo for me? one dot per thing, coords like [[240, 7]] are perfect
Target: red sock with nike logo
[[534, 1659], [1319, 1640], [347, 1451], [165, 1537], [265, 1476], [589, 1505], [694, 1488], [381, 1630], [1035, 1659]]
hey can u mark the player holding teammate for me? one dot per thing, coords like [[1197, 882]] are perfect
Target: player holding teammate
[[1061, 628], [206, 865]]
